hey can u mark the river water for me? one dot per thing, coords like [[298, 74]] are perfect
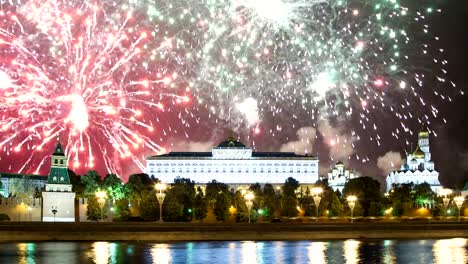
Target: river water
[[346, 251]]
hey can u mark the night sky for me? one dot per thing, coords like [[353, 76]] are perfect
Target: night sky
[[117, 82]]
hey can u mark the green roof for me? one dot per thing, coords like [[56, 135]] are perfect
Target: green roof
[[58, 176], [58, 170], [59, 150], [231, 142]]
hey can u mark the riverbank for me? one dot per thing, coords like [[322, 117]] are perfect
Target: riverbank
[[221, 232]]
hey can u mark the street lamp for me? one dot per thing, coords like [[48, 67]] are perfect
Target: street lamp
[[160, 196], [351, 202], [316, 191], [101, 197], [54, 211], [249, 197], [459, 202]]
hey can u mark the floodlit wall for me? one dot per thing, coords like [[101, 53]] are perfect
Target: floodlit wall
[[19, 211]]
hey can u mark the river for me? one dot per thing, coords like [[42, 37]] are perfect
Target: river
[[345, 251]]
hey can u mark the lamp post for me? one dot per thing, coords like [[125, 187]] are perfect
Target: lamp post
[[351, 202], [316, 191], [249, 197], [160, 196], [101, 197], [54, 211], [459, 202]]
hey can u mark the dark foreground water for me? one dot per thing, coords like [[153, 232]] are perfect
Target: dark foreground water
[[348, 251]]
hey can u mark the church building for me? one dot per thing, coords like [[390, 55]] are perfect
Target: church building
[[58, 197], [417, 167], [339, 176], [232, 163]]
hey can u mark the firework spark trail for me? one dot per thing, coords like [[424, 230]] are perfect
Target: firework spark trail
[[69, 73], [104, 73], [333, 59]]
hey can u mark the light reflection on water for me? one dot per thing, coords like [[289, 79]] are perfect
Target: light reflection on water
[[347, 251]]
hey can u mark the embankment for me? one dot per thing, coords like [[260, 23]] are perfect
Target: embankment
[[36, 231]]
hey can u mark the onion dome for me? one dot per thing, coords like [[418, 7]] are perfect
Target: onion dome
[[418, 153]]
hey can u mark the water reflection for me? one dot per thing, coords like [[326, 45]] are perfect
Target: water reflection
[[26, 253], [348, 251], [161, 254], [100, 252], [317, 252], [450, 251], [388, 254], [249, 252]]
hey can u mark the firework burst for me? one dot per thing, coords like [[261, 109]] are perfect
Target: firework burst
[[104, 74]]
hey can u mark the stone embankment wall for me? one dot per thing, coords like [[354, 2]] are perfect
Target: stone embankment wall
[[208, 232]]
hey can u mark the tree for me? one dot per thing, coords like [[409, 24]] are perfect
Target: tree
[[179, 200], [219, 198], [92, 182], [93, 211], [368, 192], [423, 195], [77, 184], [270, 201], [400, 198], [149, 206], [114, 187], [122, 210], [221, 206], [23, 189], [200, 205], [239, 202], [289, 199], [134, 187]]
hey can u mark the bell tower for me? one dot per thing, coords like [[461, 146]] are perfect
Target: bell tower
[[423, 143]]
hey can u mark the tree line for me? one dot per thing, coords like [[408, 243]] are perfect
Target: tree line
[[185, 202]]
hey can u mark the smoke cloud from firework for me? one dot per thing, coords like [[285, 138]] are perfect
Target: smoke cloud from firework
[[389, 162], [116, 79]]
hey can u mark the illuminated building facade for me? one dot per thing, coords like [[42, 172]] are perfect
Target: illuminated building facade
[[418, 167], [58, 198], [232, 163], [339, 176]]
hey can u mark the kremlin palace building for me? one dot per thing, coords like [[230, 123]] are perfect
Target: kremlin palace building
[[232, 163]]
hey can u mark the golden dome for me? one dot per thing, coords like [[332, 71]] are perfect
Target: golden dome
[[418, 153]]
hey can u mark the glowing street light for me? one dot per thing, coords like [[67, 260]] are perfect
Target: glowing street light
[[459, 202], [249, 197], [101, 196], [351, 202], [316, 191], [160, 196]]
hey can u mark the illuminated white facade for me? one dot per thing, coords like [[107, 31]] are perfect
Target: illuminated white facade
[[234, 164], [418, 167], [339, 176], [58, 199]]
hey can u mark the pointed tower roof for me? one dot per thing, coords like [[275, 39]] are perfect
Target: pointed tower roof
[[58, 168], [58, 150]]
